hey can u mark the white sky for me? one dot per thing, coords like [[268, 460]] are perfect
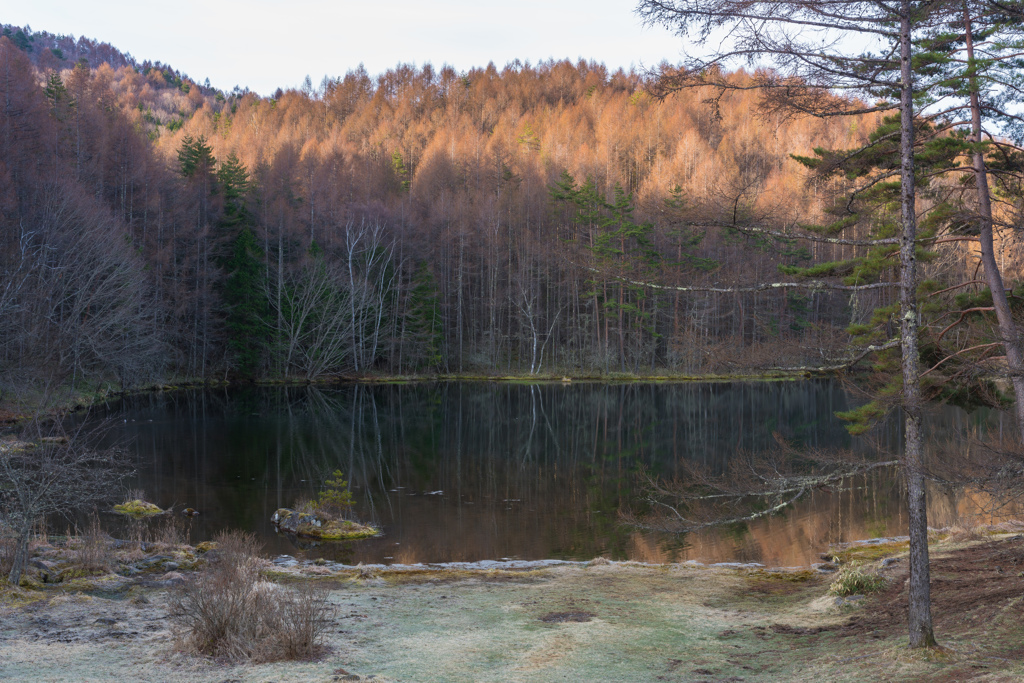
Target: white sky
[[266, 44]]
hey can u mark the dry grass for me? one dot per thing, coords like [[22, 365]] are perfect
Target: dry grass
[[171, 532], [853, 580], [965, 530], [93, 550], [231, 611]]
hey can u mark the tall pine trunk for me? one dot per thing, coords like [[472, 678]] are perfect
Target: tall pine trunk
[[920, 616], [1001, 303]]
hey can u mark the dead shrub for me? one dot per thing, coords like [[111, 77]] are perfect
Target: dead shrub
[[299, 623], [965, 530], [230, 611], [171, 532], [93, 549], [852, 579]]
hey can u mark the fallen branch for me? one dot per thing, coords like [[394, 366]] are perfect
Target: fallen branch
[[891, 344]]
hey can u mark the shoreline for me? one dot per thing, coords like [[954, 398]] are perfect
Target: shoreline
[[11, 415]]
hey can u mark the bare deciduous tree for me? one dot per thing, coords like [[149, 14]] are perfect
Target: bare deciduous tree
[[49, 471]]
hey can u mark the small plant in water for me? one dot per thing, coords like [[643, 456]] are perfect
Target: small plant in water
[[335, 500], [852, 580]]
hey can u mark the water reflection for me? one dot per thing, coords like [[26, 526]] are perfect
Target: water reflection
[[469, 471]]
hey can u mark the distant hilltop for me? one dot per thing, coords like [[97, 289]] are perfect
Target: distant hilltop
[[52, 52], [49, 51]]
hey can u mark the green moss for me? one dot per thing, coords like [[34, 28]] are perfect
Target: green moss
[[30, 582], [138, 509], [72, 573], [869, 553], [800, 576], [339, 531]]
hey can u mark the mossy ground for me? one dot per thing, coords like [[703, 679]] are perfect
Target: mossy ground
[[869, 552]]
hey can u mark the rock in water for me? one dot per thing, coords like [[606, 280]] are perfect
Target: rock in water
[[313, 526], [291, 520], [138, 509]]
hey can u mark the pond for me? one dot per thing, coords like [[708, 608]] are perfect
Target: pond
[[466, 471]]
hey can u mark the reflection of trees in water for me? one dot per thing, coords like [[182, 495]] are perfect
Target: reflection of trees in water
[[534, 470]]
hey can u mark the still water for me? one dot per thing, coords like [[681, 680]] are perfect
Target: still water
[[471, 471]]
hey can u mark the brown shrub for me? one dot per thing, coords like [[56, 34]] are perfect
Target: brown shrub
[[230, 611], [171, 532], [964, 530], [92, 548]]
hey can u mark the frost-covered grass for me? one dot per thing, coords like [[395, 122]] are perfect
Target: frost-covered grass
[[646, 623]]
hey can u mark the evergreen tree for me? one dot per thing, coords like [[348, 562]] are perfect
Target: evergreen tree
[[624, 256], [58, 96], [423, 335], [244, 285], [195, 157]]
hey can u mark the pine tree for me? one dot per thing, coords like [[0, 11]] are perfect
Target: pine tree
[[195, 157], [423, 331], [244, 285]]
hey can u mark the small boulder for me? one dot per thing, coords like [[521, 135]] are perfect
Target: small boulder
[[171, 579], [286, 519], [30, 582]]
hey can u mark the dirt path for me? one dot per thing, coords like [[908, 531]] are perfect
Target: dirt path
[[606, 622]]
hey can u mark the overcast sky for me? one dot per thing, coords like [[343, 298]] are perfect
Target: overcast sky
[[266, 44]]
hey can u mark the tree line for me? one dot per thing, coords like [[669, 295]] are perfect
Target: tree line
[[553, 217]]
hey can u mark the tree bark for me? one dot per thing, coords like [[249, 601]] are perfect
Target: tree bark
[[920, 617], [20, 557], [1001, 303]]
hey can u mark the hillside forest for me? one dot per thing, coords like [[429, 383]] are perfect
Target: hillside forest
[[546, 218]]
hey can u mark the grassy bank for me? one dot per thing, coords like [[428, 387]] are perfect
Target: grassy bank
[[598, 622]]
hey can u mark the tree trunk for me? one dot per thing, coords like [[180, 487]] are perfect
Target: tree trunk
[[20, 556], [1001, 303], [920, 617]]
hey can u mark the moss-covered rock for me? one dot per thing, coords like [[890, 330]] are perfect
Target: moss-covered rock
[[30, 582], [138, 509], [206, 546], [346, 530], [77, 572], [312, 526]]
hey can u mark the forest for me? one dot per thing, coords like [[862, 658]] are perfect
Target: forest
[[548, 218], [777, 207]]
